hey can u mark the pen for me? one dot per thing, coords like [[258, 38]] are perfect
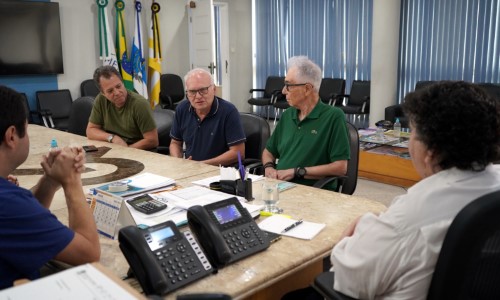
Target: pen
[[241, 169], [292, 226]]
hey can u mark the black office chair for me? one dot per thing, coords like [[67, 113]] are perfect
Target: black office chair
[[280, 104], [89, 88], [492, 89], [54, 107], [274, 84], [331, 91], [396, 111], [358, 101], [257, 132], [468, 265], [163, 119], [171, 91], [79, 115], [29, 112], [346, 184]]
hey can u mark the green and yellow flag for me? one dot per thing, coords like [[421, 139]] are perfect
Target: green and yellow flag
[[126, 67], [154, 56]]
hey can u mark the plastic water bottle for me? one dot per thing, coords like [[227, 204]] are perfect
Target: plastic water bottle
[[397, 128], [53, 144]]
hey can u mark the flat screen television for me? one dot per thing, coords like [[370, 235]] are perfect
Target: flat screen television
[[30, 38]]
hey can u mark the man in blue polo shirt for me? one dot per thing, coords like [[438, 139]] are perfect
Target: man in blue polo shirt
[[209, 125]]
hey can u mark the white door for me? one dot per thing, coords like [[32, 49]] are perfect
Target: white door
[[201, 35]]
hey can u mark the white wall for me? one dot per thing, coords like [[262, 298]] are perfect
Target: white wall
[[80, 36]]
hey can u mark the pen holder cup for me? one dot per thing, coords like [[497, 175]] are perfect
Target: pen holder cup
[[244, 188]]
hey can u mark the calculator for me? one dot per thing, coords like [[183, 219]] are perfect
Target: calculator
[[146, 204]]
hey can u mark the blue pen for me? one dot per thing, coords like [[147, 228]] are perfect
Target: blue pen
[[240, 167]]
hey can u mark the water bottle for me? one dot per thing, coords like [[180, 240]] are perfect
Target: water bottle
[[53, 144], [397, 128]]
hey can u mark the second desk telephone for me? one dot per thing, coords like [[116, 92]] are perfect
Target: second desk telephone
[[163, 259]]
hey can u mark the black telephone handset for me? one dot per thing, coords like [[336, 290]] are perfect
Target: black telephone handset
[[226, 231], [162, 258]]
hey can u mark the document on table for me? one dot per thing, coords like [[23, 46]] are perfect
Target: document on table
[[82, 282], [306, 230]]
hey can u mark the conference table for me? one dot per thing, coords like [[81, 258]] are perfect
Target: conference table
[[286, 265]]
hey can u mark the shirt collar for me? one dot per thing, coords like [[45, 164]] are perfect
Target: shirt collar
[[314, 114]]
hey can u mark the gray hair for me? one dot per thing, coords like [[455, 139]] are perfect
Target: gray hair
[[308, 71], [198, 71]]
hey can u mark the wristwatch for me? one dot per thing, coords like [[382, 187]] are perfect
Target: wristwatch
[[110, 138], [300, 172]]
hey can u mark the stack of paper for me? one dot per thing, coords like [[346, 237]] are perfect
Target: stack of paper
[[277, 224]]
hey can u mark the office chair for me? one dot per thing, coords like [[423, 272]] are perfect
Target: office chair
[[492, 89], [29, 112], [468, 265], [163, 119], [274, 84], [79, 115], [346, 184], [396, 111], [280, 104], [171, 91], [257, 132], [89, 88], [331, 91], [54, 107], [358, 101]]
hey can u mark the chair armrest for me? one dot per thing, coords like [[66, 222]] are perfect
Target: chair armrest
[[256, 90], [324, 181], [169, 104], [256, 168], [323, 283]]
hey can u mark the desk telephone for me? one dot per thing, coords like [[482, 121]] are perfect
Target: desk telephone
[[163, 259]]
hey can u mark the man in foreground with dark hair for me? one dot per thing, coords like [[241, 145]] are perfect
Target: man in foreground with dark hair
[[30, 235]]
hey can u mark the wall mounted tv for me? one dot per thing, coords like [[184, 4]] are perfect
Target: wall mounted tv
[[30, 38]]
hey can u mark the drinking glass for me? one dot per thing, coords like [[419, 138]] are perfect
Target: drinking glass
[[270, 196]]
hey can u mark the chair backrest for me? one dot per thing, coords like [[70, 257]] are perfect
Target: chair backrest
[[89, 88], [273, 83], [468, 266], [163, 119], [350, 184], [331, 88], [58, 102], [491, 88], [423, 84], [79, 115], [360, 92], [257, 132], [171, 90]]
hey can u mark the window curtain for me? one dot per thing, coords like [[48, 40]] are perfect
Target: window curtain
[[335, 34], [449, 40]]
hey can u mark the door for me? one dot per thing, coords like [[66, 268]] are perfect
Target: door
[[209, 41], [201, 35]]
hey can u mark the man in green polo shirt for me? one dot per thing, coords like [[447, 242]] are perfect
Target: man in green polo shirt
[[311, 140]]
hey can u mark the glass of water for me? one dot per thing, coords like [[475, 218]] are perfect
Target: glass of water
[[270, 196]]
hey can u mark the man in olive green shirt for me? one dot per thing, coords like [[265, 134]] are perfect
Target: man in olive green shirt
[[120, 116], [310, 140]]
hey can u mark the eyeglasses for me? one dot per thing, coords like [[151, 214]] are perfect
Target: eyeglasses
[[288, 85], [202, 91]]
